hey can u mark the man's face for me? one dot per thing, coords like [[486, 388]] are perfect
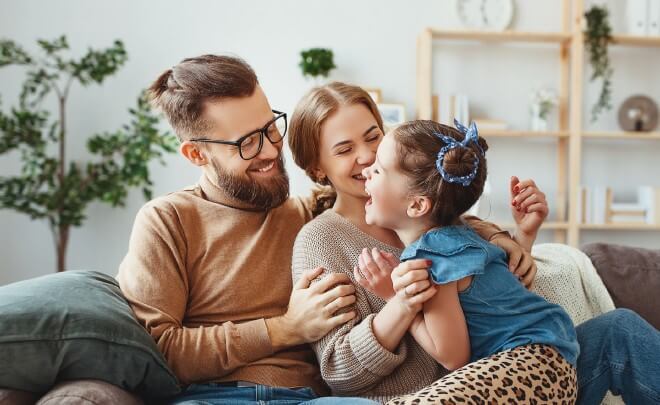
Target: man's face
[[261, 182]]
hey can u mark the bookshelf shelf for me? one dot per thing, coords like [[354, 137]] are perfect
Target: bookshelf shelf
[[522, 134], [621, 227], [632, 40], [622, 135], [546, 226], [501, 36], [569, 137]]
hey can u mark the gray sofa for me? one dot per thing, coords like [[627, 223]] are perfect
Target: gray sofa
[[631, 276]]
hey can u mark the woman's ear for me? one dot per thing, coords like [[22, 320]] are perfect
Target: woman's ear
[[418, 206], [193, 153]]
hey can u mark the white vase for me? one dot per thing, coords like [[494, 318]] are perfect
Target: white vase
[[538, 124]]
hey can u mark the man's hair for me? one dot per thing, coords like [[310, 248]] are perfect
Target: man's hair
[[183, 91]]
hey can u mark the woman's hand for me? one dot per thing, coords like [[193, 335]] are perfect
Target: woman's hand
[[529, 209], [521, 262], [411, 284], [374, 271]]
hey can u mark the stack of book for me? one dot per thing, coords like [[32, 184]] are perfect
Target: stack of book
[[597, 206]]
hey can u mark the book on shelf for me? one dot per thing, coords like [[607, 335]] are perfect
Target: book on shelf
[[486, 124], [596, 206]]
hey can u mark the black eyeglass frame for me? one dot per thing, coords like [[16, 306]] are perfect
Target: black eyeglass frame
[[262, 131]]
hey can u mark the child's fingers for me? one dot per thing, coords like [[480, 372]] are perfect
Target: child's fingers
[[382, 264], [358, 277], [370, 269], [392, 259]]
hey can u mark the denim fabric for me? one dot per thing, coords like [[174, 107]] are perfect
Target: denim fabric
[[619, 351], [500, 313], [211, 394]]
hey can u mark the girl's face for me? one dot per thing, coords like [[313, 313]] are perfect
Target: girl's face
[[349, 139], [387, 187]]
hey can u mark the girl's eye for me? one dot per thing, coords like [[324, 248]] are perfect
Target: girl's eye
[[373, 138], [343, 151]]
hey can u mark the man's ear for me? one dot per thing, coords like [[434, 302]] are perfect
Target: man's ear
[[418, 206], [193, 153]]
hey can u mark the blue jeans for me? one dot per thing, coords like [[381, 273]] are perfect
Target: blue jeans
[[203, 394], [619, 351]]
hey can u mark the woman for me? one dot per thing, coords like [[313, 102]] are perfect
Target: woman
[[334, 134]]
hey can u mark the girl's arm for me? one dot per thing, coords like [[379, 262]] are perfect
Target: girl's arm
[[441, 329]]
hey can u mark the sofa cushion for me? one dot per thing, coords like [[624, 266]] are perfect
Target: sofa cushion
[[76, 325], [88, 392], [631, 275]]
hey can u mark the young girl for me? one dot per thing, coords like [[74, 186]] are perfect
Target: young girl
[[425, 176]]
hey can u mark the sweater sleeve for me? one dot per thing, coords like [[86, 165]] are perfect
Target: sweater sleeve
[[154, 280], [487, 230], [350, 357]]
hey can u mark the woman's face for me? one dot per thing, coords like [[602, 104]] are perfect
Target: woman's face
[[349, 139]]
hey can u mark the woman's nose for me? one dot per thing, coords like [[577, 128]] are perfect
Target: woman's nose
[[366, 156]]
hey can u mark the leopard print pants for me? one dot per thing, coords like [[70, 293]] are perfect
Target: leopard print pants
[[532, 374]]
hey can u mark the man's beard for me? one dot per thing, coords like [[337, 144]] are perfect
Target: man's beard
[[259, 194]]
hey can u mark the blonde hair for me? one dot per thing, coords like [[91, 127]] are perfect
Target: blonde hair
[[305, 130]]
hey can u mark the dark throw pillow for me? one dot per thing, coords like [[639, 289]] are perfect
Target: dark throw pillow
[[76, 325], [631, 275]]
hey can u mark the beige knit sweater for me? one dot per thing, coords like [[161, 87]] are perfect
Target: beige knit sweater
[[352, 361]]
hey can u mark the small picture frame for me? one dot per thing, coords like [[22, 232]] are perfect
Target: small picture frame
[[374, 93], [392, 114]]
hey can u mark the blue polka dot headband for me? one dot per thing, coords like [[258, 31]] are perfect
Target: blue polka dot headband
[[471, 135]]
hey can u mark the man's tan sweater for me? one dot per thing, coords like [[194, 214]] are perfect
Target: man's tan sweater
[[202, 277]]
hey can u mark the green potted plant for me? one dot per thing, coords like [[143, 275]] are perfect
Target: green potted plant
[[316, 62], [598, 36], [50, 186]]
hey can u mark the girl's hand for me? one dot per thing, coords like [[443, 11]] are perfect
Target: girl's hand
[[374, 270], [529, 209], [411, 284]]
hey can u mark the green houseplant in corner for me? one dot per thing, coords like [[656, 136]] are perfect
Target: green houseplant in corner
[[316, 62], [598, 36], [50, 186]]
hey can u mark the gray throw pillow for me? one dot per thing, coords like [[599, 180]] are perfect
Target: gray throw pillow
[[631, 275], [76, 325]]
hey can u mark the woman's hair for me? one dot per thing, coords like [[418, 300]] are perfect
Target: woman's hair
[[418, 144], [305, 130]]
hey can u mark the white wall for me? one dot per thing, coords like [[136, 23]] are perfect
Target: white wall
[[374, 45]]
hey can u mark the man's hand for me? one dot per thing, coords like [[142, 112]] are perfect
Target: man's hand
[[411, 284], [529, 209], [314, 310], [521, 262], [374, 270]]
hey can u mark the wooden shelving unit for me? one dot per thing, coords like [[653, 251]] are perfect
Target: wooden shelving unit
[[569, 137]]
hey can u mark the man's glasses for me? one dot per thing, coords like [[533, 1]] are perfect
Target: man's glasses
[[250, 145]]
